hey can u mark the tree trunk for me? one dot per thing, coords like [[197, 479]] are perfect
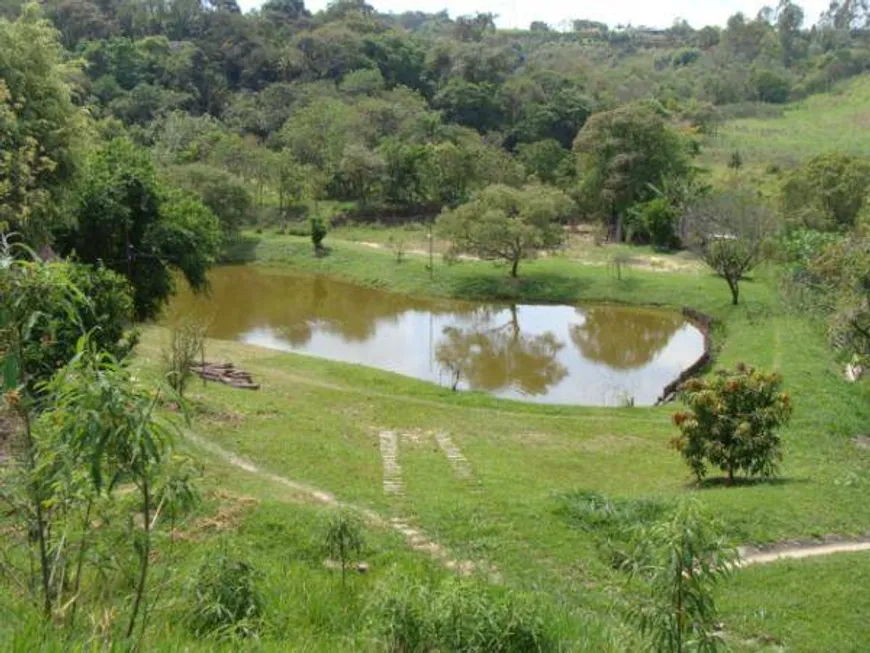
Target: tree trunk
[[144, 553], [514, 267], [730, 475], [733, 285], [36, 497]]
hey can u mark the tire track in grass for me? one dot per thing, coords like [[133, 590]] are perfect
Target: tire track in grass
[[457, 461], [389, 446], [415, 538]]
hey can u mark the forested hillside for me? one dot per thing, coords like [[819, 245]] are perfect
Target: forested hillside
[[403, 114]]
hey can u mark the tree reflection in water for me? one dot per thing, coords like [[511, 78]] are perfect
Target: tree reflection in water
[[623, 338], [493, 358]]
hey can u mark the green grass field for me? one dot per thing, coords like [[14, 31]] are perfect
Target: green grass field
[[320, 423], [828, 122]]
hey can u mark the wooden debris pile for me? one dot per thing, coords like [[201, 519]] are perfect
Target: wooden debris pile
[[225, 373]]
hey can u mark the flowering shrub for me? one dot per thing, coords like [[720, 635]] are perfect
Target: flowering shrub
[[732, 422]]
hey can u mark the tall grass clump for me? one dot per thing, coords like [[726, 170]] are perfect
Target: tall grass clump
[[226, 602], [614, 523], [460, 615]]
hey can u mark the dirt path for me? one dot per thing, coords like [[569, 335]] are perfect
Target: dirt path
[[648, 262], [751, 556], [414, 537], [418, 541]]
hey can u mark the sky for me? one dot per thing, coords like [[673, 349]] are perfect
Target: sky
[[520, 13]]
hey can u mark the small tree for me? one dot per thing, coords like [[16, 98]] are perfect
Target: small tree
[[397, 244], [510, 224], [343, 536], [681, 559], [732, 422], [736, 161], [186, 344], [318, 232], [728, 231]]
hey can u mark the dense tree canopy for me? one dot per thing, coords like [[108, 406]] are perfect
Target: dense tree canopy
[[257, 117], [39, 127], [509, 224], [624, 154], [128, 222], [828, 192]]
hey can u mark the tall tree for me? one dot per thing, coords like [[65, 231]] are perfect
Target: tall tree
[[729, 230], [509, 224], [40, 127], [624, 154], [127, 221]]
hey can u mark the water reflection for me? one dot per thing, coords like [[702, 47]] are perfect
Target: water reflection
[[494, 357], [519, 351], [621, 337]]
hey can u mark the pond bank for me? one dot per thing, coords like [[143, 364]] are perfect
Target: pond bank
[[549, 280]]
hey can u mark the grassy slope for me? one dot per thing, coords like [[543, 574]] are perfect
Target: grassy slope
[[827, 122], [318, 422], [801, 606]]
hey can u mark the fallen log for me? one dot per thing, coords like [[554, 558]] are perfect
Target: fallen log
[[225, 373]]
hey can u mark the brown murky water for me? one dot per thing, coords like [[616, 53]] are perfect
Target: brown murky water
[[590, 355]]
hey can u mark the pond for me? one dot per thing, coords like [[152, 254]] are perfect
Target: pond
[[598, 355]]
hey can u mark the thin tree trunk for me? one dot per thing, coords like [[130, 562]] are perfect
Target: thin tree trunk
[[735, 291], [145, 553], [679, 609], [514, 266], [79, 564], [40, 516]]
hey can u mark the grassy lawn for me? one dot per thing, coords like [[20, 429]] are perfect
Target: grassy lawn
[[800, 606], [560, 278]]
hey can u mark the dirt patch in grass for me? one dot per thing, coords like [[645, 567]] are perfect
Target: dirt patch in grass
[[231, 509], [612, 443], [862, 441], [533, 437]]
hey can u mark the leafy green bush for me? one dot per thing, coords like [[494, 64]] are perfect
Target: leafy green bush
[[318, 232], [800, 246], [827, 193], [66, 301], [226, 602], [223, 193], [685, 57], [657, 220], [732, 422]]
